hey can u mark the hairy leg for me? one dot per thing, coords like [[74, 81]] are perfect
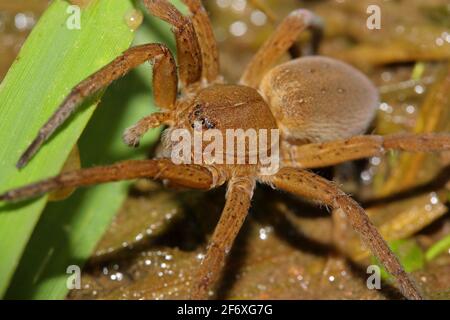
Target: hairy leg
[[312, 186], [188, 49], [331, 153], [133, 135], [238, 198], [192, 176], [208, 44], [165, 81], [282, 39], [130, 59]]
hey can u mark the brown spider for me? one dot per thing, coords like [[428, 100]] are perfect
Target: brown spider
[[317, 103]]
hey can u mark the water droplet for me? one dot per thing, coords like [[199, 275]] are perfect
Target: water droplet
[[200, 256], [366, 176], [261, 287], [118, 276], [410, 109], [139, 237], [134, 18], [239, 5], [386, 107], [419, 89], [223, 3], [24, 21], [264, 232], [434, 198], [238, 28], [375, 161], [168, 257]]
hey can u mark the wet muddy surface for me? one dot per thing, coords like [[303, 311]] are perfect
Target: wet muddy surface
[[17, 18], [289, 248]]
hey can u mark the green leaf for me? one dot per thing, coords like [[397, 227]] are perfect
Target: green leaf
[[51, 62], [439, 247]]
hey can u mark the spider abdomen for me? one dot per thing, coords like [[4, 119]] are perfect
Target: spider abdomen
[[318, 99]]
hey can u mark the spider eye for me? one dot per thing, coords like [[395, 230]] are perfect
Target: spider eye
[[197, 109]]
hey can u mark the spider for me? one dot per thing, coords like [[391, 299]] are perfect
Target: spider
[[321, 107]]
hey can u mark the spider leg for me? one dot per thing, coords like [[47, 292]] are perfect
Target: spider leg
[[165, 81], [310, 185], [334, 152], [166, 91], [192, 176], [281, 40], [188, 49], [208, 44], [238, 198], [133, 134]]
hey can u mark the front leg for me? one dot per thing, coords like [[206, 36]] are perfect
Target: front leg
[[238, 198], [312, 186], [165, 91], [188, 49], [191, 176], [206, 40]]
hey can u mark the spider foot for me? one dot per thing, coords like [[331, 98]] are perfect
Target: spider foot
[[132, 136]]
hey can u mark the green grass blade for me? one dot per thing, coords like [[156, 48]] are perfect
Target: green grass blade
[[438, 248], [50, 63]]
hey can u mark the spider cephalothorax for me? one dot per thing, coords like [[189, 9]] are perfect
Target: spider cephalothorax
[[318, 104]]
